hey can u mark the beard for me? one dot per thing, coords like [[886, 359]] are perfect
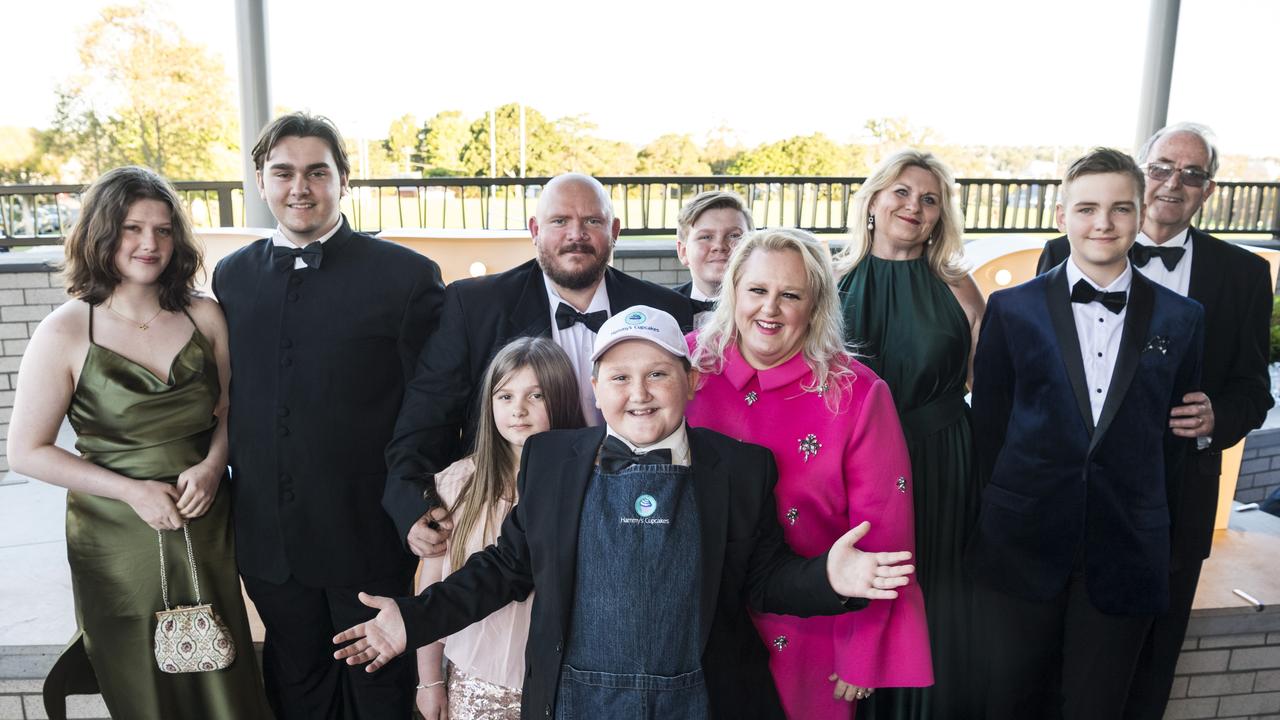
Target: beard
[[569, 278]]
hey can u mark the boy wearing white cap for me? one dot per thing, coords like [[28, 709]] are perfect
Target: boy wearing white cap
[[646, 541]]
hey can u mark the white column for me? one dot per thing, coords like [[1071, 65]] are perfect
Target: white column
[[255, 100], [1157, 75]]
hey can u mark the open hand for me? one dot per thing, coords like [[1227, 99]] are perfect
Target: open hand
[[377, 641], [848, 692], [426, 541], [198, 486], [870, 575], [156, 503]]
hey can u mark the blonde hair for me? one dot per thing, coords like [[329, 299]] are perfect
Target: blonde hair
[[945, 248], [710, 200], [495, 476], [823, 347]]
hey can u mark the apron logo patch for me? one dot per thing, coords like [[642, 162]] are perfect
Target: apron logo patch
[[646, 505]]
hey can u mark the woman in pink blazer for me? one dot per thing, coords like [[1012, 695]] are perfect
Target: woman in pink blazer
[[776, 373]]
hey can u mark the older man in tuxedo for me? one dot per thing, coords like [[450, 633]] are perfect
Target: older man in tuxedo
[[565, 293], [1234, 286]]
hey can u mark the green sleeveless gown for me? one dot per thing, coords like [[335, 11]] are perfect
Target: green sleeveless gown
[[910, 329], [131, 422]]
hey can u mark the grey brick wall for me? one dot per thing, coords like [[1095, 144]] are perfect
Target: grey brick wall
[[652, 260], [1260, 466], [29, 290], [1229, 667]]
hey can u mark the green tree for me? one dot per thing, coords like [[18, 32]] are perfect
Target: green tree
[[672, 155], [722, 150], [544, 149], [22, 159], [145, 95], [440, 143], [401, 144], [814, 154]]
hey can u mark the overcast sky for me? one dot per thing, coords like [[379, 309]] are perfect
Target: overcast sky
[[1046, 72]]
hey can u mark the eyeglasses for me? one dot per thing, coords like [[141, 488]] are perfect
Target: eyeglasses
[[1191, 177]]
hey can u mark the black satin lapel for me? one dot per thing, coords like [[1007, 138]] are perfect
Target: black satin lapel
[[575, 473], [618, 300], [1137, 320], [711, 492], [1058, 296], [531, 314], [1206, 275]]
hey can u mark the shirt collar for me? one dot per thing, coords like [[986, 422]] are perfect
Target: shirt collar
[[677, 442], [1120, 284], [1178, 240], [278, 237], [739, 371], [599, 301], [696, 294]]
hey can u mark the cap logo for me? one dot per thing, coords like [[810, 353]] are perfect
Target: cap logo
[[635, 318]]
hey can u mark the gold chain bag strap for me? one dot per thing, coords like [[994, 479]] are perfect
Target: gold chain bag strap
[[190, 638]]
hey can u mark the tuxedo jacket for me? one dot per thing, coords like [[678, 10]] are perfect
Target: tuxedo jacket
[[1060, 493], [745, 562], [437, 424], [1234, 286], [319, 361]]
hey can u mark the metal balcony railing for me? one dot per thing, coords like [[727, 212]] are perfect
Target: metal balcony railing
[[42, 214]]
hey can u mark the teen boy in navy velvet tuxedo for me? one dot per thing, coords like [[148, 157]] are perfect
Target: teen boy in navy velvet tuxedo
[[1074, 376]]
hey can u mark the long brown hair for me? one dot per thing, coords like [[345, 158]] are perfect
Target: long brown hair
[[495, 475], [90, 271]]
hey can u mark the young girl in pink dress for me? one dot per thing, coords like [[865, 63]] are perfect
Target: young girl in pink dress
[[530, 387], [775, 373]]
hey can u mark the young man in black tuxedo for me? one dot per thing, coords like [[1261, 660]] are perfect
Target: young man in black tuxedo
[[707, 229], [1234, 286], [644, 542], [325, 327], [1074, 375], [565, 294]]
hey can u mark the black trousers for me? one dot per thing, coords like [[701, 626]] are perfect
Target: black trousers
[[303, 681], [1153, 679], [1057, 659]]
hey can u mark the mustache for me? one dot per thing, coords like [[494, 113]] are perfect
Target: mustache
[[584, 248]]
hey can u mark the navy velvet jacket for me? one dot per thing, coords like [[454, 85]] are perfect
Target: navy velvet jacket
[[1061, 494]]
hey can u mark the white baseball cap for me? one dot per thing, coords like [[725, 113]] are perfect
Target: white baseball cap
[[641, 322]]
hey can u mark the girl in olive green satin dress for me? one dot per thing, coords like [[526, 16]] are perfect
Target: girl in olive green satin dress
[[912, 313], [138, 363]]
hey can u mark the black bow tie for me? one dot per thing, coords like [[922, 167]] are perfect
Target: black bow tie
[[566, 316], [1142, 254], [702, 305], [616, 456], [311, 254], [1085, 293]]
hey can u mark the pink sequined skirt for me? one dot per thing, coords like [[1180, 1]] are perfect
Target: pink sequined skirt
[[471, 698]]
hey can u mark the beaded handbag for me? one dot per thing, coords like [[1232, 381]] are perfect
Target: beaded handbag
[[190, 638]]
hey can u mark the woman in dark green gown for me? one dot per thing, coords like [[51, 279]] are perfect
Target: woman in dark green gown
[[138, 364], [911, 312]]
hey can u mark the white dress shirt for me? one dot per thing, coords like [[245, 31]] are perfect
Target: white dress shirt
[[1098, 330], [677, 442], [577, 342], [278, 239], [700, 319], [1179, 278]]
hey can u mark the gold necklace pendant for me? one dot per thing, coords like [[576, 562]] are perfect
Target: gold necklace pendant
[[142, 324]]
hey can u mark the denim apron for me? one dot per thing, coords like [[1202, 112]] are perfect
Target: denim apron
[[634, 639]]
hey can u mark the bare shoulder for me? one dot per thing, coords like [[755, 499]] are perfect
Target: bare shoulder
[[207, 315], [969, 296], [63, 334]]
